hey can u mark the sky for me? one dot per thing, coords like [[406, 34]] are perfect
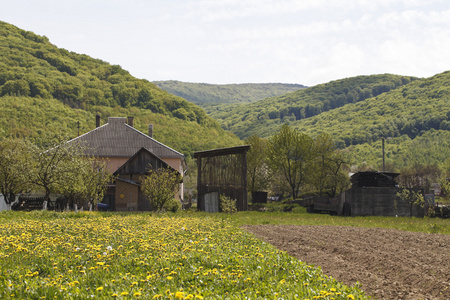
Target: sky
[[247, 41]]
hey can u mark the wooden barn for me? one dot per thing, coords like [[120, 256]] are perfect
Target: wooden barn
[[127, 192], [222, 172]]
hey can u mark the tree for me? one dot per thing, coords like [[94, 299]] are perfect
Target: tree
[[88, 182], [160, 186], [289, 154], [95, 180], [413, 182], [56, 168], [444, 180], [15, 161], [16, 88], [327, 174], [257, 172], [414, 198]]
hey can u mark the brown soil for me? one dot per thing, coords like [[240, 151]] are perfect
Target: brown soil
[[389, 263]]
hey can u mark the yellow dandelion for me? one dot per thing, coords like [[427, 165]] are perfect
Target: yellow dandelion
[[124, 294], [350, 296], [179, 295]]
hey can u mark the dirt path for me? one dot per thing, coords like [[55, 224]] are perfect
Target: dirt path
[[389, 263]]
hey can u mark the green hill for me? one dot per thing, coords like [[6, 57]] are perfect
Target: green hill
[[265, 117], [204, 94], [415, 120], [410, 110], [43, 87], [413, 115]]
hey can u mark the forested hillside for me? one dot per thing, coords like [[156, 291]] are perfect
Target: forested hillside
[[205, 94], [410, 110], [413, 115], [44, 88], [414, 119], [265, 117]]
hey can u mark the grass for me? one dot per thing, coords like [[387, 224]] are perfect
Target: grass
[[427, 225], [187, 255], [48, 255]]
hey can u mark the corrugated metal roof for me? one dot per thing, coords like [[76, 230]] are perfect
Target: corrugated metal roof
[[118, 139]]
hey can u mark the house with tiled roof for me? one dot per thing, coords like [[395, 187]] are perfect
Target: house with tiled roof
[[129, 154]]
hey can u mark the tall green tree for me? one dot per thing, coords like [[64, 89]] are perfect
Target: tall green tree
[[290, 154], [257, 171], [160, 186], [327, 174], [15, 162]]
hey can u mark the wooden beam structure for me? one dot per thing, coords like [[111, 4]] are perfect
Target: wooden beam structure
[[222, 172]]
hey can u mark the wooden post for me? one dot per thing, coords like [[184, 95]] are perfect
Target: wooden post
[[199, 184], [244, 181]]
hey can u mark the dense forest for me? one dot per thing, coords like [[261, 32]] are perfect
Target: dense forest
[[410, 110], [205, 95], [31, 66], [265, 117], [43, 87]]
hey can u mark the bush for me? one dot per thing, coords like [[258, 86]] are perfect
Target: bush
[[227, 204], [172, 205]]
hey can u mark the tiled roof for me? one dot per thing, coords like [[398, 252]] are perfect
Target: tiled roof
[[118, 139]]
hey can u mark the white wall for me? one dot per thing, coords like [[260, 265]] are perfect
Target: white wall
[[3, 205]]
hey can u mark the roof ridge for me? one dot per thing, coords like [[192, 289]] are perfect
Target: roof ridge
[[158, 142]]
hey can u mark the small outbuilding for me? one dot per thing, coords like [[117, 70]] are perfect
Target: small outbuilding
[[375, 194], [222, 172]]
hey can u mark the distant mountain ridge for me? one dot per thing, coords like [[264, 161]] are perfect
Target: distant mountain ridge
[[205, 94], [264, 117]]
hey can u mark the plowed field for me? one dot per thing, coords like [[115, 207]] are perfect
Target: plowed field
[[388, 263]]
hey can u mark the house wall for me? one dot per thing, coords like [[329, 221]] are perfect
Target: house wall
[[126, 196], [115, 162], [176, 163]]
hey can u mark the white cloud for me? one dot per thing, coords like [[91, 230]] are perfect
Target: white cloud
[[226, 41]]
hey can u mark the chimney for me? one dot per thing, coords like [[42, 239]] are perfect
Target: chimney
[[150, 130], [130, 121], [97, 121]]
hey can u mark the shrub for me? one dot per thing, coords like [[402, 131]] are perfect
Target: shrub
[[227, 204], [172, 205]]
